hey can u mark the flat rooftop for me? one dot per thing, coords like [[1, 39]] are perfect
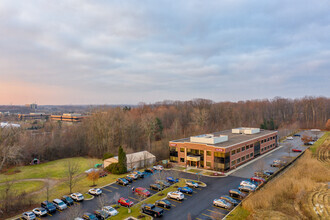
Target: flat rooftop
[[232, 138]]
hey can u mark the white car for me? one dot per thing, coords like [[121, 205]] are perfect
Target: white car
[[246, 189], [289, 138], [110, 210], [133, 176], [39, 211], [222, 203], [247, 183], [175, 195], [192, 184], [29, 215], [59, 204], [95, 191], [158, 167], [77, 197]]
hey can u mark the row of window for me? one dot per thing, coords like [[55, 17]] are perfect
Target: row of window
[[233, 152], [268, 139], [242, 159], [208, 164], [268, 147], [208, 153]]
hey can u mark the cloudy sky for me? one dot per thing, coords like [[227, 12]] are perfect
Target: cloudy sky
[[116, 52]]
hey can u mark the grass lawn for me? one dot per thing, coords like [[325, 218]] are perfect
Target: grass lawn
[[195, 170], [239, 213], [55, 169], [319, 142], [135, 210], [27, 186], [180, 168]]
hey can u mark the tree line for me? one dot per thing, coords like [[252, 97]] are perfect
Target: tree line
[[150, 127]]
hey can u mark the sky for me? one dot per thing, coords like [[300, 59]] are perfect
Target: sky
[[127, 52]]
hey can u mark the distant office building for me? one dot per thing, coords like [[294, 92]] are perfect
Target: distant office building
[[8, 124], [68, 117], [32, 106], [222, 150], [33, 116]]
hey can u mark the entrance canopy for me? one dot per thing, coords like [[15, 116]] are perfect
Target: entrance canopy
[[193, 158]]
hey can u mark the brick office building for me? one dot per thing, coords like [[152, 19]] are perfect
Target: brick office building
[[222, 150]]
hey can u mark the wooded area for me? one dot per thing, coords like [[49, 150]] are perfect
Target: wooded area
[[150, 127]]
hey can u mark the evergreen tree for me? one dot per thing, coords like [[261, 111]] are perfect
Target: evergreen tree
[[122, 161]]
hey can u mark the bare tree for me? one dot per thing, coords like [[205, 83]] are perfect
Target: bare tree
[[115, 198], [289, 149], [7, 194], [71, 172], [94, 176], [130, 162], [9, 148], [102, 201], [74, 212], [48, 188]]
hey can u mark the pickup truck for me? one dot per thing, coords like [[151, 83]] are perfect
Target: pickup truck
[[151, 209]]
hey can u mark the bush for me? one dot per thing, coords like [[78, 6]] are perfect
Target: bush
[[107, 155], [115, 168]]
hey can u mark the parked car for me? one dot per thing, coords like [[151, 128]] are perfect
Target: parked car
[[129, 179], [125, 202], [40, 211], [276, 163], [142, 192], [156, 186], [163, 203], [50, 207], [158, 167], [175, 195], [297, 135], [246, 189], [260, 174], [89, 216], [289, 138], [222, 203], [258, 179], [269, 172], [133, 176], [230, 200], [309, 143], [122, 181], [100, 214], [152, 210], [163, 183], [103, 174], [192, 183], [95, 191], [172, 180], [67, 200], [236, 194], [296, 150], [60, 205], [28, 215], [149, 170], [248, 183], [78, 197], [140, 174], [110, 210], [185, 189]]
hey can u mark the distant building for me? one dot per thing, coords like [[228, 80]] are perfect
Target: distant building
[[33, 116], [7, 124], [68, 117], [134, 160], [32, 106], [222, 150]]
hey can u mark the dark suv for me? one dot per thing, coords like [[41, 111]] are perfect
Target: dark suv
[[50, 207], [67, 200], [152, 210]]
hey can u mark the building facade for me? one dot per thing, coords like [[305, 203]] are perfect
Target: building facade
[[223, 150]]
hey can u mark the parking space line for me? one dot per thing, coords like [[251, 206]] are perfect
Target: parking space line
[[76, 202], [207, 216], [163, 208], [175, 200], [220, 208], [49, 214], [198, 188], [133, 198], [69, 207], [114, 186], [38, 218], [107, 189], [173, 205], [198, 219], [58, 210], [187, 194], [215, 212]]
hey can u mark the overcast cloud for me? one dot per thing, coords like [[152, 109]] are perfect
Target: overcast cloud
[[115, 52]]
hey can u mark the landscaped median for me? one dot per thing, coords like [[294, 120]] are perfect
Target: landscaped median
[[136, 209]]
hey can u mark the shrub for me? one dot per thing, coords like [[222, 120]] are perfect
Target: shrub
[[107, 155]]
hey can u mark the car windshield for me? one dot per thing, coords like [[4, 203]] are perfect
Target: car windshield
[[145, 191], [61, 203]]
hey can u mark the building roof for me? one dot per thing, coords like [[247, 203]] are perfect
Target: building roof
[[233, 138], [138, 156]]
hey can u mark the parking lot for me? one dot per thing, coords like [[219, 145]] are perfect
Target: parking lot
[[199, 204]]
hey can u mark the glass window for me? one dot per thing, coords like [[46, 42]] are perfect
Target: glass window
[[208, 153], [262, 141], [173, 159], [247, 156], [173, 149], [181, 149], [243, 158], [238, 150], [251, 154], [233, 162], [238, 160], [247, 147], [251, 145], [208, 164], [233, 152], [181, 159], [243, 148]]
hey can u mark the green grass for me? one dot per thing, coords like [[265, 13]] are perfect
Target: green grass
[[194, 170], [238, 214], [54, 169], [27, 186], [318, 143], [180, 168]]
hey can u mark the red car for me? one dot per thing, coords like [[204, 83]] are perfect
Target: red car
[[258, 179], [125, 202], [142, 192], [296, 150]]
